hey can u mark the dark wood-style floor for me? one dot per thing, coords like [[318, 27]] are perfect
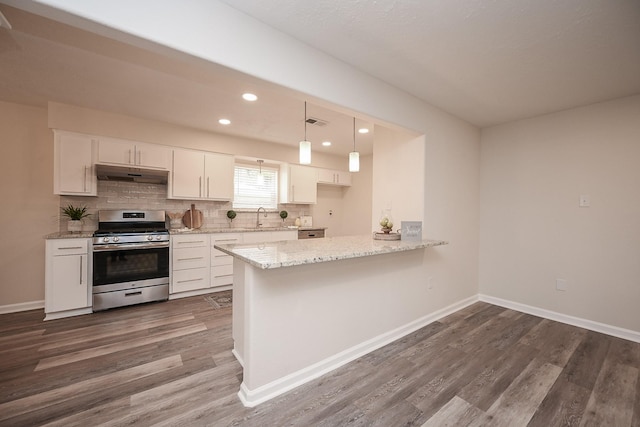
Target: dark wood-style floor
[[171, 364]]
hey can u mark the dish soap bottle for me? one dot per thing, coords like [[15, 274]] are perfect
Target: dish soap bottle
[[297, 222]]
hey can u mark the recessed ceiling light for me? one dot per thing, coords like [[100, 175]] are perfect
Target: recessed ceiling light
[[326, 143], [224, 121], [249, 97], [363, 130]]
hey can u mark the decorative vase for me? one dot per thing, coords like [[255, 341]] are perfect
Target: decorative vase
[[74, 226]]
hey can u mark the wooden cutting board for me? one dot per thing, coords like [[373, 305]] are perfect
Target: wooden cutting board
[[193, 217]]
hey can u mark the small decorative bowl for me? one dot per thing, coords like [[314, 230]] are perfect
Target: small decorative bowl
[[386, 230]]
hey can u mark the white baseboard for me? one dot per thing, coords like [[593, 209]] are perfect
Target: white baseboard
[[615, 331], [23, 306], [251, 398]]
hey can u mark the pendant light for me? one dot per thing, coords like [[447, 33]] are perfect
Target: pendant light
[[354, 156], [260, 176], [305, 146]]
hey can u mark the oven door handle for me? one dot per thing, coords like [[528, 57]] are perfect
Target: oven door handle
[[119, 247]]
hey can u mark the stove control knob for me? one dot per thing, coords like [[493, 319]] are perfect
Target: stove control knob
[[116, 238], [149, 237], [105, 239], [158, 237]]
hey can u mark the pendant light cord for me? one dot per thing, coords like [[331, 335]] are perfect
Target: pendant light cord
[[354, 134], [305, 120]]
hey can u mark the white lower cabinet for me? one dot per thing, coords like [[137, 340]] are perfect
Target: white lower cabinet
[[189, 263], [67, 273], [197, 268], [221, 263]]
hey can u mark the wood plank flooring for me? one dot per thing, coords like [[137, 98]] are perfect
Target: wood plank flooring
[[170, 364]]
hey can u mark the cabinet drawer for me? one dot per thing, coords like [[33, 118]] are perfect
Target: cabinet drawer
[[310, 234], [189, 280], [220, 258], [187, 258], [222, 270], [222, 281], [190, 241], [68, 246]]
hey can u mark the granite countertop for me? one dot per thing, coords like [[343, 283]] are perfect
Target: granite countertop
[[311, 251], [234, 230], [69, 235], [88, 234]]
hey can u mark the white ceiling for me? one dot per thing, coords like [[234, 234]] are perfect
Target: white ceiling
[[42, 60], [485, 61]]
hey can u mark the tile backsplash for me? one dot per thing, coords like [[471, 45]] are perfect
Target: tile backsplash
[[131, 195]]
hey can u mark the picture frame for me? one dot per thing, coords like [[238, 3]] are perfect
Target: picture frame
[[411, 231]]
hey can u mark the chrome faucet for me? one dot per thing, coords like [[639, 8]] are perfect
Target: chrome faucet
[[258, 216]]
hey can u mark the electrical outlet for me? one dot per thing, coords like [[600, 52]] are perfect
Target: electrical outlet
[[585, 201], [561, 285]]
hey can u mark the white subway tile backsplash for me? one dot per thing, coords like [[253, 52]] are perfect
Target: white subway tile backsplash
[[129, 195]]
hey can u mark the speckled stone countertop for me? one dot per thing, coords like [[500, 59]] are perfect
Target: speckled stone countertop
[[87, 234], [311, 251], [69, 235], [238, 230]]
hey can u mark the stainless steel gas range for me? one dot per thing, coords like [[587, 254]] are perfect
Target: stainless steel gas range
[[130, 258]]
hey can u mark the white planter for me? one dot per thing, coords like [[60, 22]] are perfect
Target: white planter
[[74, 226]]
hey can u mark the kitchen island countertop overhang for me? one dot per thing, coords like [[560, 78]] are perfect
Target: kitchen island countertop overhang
[[304, 308], [299, 252]]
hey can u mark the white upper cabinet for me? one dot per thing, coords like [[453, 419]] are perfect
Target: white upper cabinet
[[298, 184], [73, 164], [113, 151], [334, 177], [198, 175]]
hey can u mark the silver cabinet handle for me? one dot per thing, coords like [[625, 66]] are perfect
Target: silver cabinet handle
[[84, 183], [207, 186], [200, 186], [129, 156], [191, 241], [71, 247], [190, 259], [81, 270], [190, 280], [139, 157]]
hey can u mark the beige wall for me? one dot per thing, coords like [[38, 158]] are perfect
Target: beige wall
[[532, 229], [29, 208]]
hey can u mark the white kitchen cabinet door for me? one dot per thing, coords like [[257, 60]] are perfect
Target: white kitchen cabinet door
[[298, 184], [66, 277], [218, 172], [122, 152], [334, 177], [186, 175], [199, 175], [74, 173]]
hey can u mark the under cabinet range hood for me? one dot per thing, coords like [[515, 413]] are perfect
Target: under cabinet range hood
[[123, 173]]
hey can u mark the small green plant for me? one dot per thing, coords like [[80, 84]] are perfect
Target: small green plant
[[283, 215], [75, 213], [231, 214]]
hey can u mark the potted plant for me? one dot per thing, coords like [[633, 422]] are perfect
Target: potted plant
[[75, 215]]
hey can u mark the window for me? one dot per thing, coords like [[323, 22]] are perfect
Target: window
[[253, 189]]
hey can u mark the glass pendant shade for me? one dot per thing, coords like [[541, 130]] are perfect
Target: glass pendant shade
[[305, 152], [354, 161]]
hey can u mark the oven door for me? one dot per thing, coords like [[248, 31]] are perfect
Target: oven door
[[129, 266]]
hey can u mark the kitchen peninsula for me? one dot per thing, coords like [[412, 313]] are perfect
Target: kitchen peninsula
[[302, 308]]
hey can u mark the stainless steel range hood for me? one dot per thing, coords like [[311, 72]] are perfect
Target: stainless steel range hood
[[123, 173]]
